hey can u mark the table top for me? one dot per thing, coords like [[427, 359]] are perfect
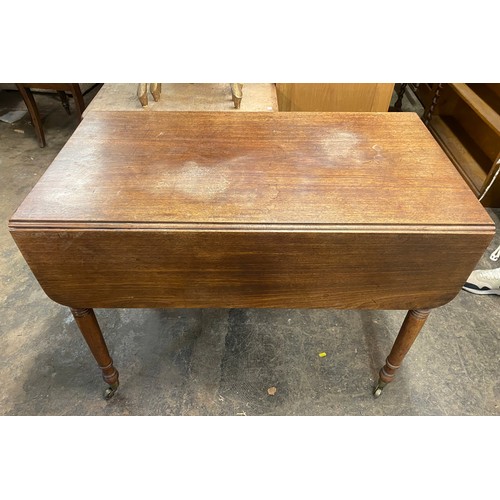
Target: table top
[[285, 169]]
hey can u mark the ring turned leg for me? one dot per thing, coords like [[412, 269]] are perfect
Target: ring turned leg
[[87, 322], [411, 327]]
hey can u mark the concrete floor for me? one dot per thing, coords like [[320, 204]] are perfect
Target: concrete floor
[[222, 362]]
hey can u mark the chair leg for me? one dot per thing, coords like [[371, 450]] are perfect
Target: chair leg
[[64, 100], [78, 97], [29, 100]]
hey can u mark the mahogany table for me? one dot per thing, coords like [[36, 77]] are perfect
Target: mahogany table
[[237, 210]]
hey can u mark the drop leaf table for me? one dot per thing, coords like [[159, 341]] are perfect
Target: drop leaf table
[[249, 210]]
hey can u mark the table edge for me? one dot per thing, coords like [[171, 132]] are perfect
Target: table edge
[[20, 225]]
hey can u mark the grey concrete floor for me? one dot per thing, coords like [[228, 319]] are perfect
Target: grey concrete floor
[[222, 362]]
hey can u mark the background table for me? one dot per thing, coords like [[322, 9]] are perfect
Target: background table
[[185, 97]]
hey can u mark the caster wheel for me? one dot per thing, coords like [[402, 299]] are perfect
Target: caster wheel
[[377, 392], [110, 392]]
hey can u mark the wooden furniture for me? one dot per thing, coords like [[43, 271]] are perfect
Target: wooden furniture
[[185, 97], [61, 88], [237, 210], [237, 94], [334, 96], [142, 92], [401, 92], [427, 93], [465, 120], [155, 90]]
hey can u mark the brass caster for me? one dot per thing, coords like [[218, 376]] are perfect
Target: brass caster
[[110, 391], [377, 392]]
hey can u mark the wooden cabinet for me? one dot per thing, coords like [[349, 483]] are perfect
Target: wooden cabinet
[[334, 96], [466, 123]]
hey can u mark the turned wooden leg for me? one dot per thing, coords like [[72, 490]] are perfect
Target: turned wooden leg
[[87, 322], [29, 100], [435, 99], [155, 89], [412, 325], [237, 93], [401, 93], [142, 94]]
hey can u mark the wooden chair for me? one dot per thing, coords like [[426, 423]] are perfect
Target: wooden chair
[[61, 89]]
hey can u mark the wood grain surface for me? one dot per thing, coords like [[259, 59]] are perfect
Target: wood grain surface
[[248, 268], [344, 210], [334, 96], [252, 168]]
